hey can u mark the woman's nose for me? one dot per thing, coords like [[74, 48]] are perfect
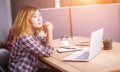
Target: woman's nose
[[39, 18]]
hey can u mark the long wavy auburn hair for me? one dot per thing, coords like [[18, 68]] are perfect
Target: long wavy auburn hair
[[22, 24]]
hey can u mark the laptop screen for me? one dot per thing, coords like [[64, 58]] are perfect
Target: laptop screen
[[96, 43]]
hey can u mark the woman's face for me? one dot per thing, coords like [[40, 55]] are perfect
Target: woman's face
[[36, 20]]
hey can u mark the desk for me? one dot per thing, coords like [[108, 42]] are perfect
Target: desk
[[106, 61]]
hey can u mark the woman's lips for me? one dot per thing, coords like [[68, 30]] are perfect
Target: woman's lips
[[40, 23]]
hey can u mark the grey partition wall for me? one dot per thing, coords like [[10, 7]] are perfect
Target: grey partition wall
[[86, 19], [60, 19]]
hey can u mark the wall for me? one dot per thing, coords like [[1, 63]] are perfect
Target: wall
[[118, 1], [86, 19], [84, 2], [5, 19], [60, 19], [17, 4]]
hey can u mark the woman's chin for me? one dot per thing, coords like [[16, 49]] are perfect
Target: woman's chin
[[39, 26]]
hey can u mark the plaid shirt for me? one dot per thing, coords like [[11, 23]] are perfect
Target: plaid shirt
[[25, 54]]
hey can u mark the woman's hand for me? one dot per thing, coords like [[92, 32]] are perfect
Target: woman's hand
[[48, 27]]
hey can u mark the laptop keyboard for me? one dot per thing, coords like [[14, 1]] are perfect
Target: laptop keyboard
[[83, 56]]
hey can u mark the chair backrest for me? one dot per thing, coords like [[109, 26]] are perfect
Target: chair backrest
[[4, 57], [1, 69]]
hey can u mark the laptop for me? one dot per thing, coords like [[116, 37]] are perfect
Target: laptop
[[93, 50]]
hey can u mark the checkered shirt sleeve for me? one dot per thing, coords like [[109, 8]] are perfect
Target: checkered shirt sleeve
[[35, 46]]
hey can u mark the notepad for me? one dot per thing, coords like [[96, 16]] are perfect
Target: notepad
[[68, 49]]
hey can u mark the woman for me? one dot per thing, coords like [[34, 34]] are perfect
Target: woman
[[28, 45]]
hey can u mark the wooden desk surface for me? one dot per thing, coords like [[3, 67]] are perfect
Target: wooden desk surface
[[106, 61]]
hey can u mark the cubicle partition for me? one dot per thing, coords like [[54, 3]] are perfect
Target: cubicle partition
[[60, 19], [86, 19], [82, 20]]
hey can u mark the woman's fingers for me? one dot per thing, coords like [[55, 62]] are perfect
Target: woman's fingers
[[48, 26]]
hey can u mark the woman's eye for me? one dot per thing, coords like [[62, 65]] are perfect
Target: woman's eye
[[34, 16]]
